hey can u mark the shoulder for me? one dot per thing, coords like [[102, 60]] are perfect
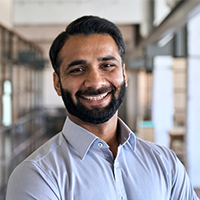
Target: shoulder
[[49, 148], [158, 155], [33, 174], [153, 148], [44, 160], [162, 160], [30, 180]]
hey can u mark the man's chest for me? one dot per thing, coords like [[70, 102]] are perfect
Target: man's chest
[[99, 179]]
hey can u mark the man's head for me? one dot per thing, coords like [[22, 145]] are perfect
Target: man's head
[[90, 72], [86, 25]]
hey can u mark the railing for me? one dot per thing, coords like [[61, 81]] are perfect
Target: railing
[[17, 142]]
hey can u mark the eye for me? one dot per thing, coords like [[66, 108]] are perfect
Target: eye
[[76, 71], [108, 65]]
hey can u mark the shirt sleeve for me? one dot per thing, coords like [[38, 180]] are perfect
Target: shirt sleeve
[[182, 188], [29, 182]]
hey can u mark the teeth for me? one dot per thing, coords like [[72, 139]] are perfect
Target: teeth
[[95, 98]]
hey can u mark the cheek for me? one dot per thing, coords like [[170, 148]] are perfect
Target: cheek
[[117, 80], [118, 85], [72, 87]]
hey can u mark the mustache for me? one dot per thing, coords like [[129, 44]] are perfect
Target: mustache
[[92, 91]]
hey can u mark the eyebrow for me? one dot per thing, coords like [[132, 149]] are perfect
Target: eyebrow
[[107, 58], [76, 62]]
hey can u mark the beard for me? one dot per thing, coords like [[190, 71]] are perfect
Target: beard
[[97, 114]]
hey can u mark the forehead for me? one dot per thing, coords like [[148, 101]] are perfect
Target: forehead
[[81, 45]]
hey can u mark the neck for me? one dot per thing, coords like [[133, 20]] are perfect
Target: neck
[[106, 131]]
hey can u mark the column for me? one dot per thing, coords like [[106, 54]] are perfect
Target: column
[[162, 104], [193, 132]]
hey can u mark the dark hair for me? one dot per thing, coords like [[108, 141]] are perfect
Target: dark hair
[[86, 25]]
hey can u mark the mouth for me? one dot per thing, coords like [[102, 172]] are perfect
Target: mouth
[[96, 97]]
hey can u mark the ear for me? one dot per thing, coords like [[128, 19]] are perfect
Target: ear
[[56, 82], [125, 75]]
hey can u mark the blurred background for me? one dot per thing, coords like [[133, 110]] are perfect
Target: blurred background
[[162, 104]]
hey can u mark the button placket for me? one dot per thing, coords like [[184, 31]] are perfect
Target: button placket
[[119, 180]]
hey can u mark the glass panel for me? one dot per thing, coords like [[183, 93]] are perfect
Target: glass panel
[[7, 103]]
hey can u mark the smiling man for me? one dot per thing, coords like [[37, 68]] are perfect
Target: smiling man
[[96, 156]]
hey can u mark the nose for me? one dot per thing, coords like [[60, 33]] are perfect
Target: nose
[[94, 79]]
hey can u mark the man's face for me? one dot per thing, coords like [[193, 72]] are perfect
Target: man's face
[[92, 80]]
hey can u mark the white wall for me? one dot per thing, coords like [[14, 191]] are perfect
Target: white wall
[[50, 97], [161, 11], [193, 135], [162, 104], [54, 12], [6, 10]]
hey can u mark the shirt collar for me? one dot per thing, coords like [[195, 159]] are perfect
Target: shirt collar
[[126, 135], [81, 139], [78, 137]]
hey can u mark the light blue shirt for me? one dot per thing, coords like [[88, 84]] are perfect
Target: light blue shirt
[[77, 165]]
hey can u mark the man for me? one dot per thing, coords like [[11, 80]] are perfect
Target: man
[[96, 156]]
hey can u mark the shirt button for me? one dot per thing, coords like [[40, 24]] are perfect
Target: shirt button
[[100, 144], [122, 198]]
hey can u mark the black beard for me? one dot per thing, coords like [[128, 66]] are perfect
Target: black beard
[[96, 115]]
